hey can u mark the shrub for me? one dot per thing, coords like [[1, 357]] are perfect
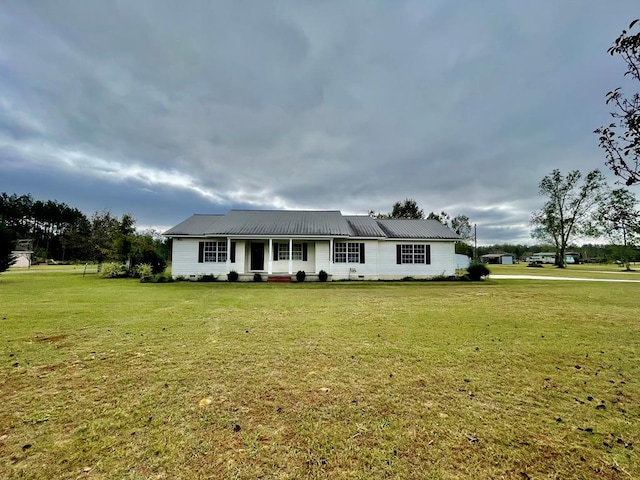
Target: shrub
[[300, 276], [113, 270], [161, 278], [144, 271], [322, 276], [477, 271], [232, 276], [257, 277]]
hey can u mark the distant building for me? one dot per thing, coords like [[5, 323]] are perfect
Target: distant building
[[498, 258], [23, 253]]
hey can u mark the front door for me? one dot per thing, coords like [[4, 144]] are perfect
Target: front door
[[257, 256]]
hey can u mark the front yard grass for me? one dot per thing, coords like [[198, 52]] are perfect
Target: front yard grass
[[499, 379], [585, 270]]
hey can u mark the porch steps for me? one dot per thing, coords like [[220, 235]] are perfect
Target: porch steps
[[279, 279]]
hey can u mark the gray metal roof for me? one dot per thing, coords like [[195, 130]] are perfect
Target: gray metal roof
[[266, 223], [262, 223], [415, 229], [364, 226], [195, 225]]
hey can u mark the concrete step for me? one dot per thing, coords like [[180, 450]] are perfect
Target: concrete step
[[279, 279]]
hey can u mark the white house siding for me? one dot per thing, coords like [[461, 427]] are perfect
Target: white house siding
[[359, 271], [184, 259], [442, 261], [380, 260], [322, 256]]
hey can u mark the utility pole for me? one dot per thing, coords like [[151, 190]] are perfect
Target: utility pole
[[475, 242]]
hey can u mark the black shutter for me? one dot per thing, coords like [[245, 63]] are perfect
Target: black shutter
[[232, 254], [200, 252], [427, 254], [362, 253], [275, 252], [304, 252], [398, 254]]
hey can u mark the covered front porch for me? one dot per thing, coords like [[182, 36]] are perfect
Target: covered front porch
[[283, 256]]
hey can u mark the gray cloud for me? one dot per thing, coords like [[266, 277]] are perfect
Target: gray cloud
[[205, 106]]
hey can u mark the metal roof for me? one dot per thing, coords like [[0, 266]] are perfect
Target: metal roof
[[364, 226], [415, 229], [195, 225], [332, 223], [266, 223]]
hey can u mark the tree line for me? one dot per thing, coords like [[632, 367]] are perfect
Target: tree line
[[54, 230]]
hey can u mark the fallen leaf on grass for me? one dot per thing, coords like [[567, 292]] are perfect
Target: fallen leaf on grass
[[204, 402]]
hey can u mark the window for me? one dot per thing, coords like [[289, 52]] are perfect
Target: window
[[418, 253], [348, 252], [213, 252], [298, 252]]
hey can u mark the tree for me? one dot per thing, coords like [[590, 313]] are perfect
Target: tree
[[462, 226], [407, 209], [621, 139], [618, 218], [442, 217], [7, 243], [566, 212]]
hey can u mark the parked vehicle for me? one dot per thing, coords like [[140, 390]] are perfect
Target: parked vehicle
[[550, 258]]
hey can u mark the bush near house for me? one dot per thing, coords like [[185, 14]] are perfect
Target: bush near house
[[477, 271]]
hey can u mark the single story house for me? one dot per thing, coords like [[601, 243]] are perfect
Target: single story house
[[282, 242], [498, 258]]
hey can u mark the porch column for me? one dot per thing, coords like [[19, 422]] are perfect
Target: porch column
[[228, 254], [331, 256], [270, 261], [290, 256]]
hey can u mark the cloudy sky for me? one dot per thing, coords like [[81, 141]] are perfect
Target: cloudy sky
[[164, 109]]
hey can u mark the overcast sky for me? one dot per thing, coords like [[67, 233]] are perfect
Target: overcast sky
[[163, 109]]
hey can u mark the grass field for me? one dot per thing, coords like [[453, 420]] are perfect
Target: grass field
[[510, 379], [589, 270]]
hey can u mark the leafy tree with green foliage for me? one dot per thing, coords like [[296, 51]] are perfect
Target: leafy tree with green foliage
[[618, 218], [407, 209], [443, 217], [567, 210], [7, 243], [145, 249], [112, 238], [462, 226], [51, 225], [621, 139]]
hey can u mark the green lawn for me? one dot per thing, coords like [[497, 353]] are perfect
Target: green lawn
[[588, 270], [501, 379]]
